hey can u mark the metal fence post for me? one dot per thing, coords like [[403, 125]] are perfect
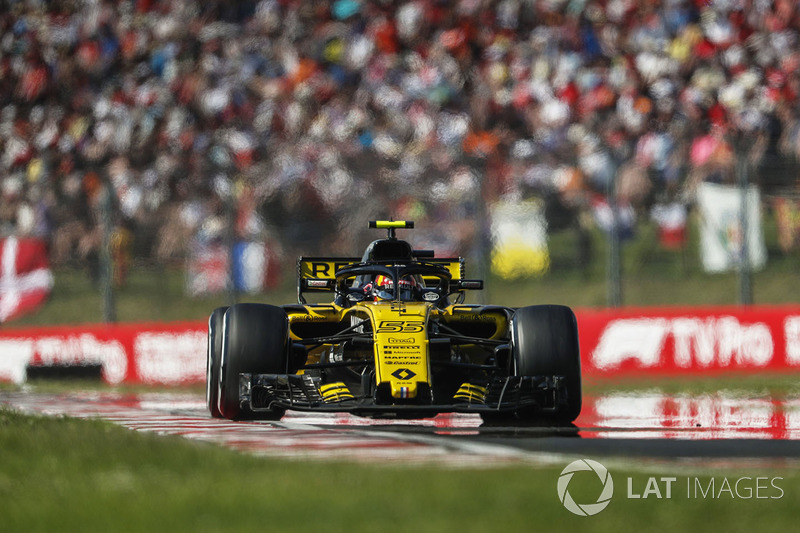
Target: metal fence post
[[106, 258], [745, 275], [614, 274]]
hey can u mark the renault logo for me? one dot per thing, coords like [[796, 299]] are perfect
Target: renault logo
[[403, 374]]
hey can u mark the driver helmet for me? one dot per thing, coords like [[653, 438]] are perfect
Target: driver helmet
[[407, 287]]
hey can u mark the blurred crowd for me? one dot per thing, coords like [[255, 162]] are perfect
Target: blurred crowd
[[295, 121]]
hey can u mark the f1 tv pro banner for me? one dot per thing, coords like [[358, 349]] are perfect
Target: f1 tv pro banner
[[648, 341], [689, 341]]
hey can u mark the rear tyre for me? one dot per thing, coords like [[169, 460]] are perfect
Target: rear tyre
[[254, 341], [214, 354], [545, 343]]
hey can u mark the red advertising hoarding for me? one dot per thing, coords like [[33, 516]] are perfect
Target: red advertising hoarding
[[689, 340], [647, 341], [172, 353]]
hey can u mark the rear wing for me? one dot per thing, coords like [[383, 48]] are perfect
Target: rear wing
[[318, 274]]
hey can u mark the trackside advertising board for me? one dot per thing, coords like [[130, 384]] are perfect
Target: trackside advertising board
[[689, 341], [173, 353], [647, 341]]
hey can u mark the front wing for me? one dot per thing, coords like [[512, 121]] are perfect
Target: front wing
[[267, 392]]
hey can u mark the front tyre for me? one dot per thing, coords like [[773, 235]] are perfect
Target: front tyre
[[254, 341], [214, 354], [545, 343]]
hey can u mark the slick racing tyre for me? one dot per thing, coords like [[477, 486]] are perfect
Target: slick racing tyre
[[545, 343], [214, 354], [254, 341]]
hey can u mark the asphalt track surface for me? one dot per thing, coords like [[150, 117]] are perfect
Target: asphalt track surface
[[626, 425]]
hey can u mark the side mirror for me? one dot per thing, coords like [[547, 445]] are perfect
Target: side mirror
[[466, 284]]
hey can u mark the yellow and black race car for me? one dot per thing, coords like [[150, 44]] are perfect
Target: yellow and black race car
[[394, 339]]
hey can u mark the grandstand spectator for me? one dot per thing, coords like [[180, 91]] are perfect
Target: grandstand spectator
[[294, 108]]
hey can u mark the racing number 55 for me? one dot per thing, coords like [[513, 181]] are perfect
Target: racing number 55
[[400, 326]]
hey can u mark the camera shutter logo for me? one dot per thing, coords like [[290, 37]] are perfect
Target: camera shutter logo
[[585, 509]]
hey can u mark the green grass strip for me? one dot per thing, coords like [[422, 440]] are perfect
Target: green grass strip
[[63, 474]]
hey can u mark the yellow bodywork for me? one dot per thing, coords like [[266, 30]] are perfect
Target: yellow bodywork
[[335, 392], [401, 346], [400, 340]]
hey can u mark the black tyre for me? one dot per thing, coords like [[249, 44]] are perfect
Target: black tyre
[[214, 354], [545, 343], [254, 341]]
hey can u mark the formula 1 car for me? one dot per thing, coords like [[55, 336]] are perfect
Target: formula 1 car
[[395, 340]]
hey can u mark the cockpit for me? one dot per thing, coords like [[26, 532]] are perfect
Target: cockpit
[[408, 289]]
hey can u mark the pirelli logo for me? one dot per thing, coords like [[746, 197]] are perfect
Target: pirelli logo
[[402, 351], [402, 347]]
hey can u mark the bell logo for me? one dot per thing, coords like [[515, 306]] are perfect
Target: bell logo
[[585, 509]]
